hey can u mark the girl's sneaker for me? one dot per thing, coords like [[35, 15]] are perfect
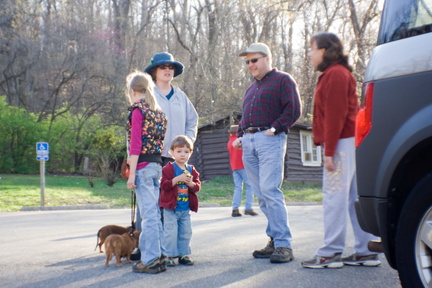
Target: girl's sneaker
[[186, 260], [170, 261]]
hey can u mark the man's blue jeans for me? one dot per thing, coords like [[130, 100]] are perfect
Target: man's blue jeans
[[263, 158], [147, 192]]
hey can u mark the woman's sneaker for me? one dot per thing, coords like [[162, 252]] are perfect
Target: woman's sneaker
[[365, 260], [324, 262], [186, 260], [170, 261]]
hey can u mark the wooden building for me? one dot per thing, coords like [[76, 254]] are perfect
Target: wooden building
[[210, 156], [303, 161]]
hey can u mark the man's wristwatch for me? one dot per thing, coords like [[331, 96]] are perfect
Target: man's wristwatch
[[272, 129]]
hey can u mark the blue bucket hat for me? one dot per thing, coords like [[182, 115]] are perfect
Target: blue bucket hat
[[164, 58]]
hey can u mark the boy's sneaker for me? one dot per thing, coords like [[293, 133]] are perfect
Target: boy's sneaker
[[236, 213], [153, 268], [186, 260], [266, 252], [324, 262], [163, 263], [250, 212], [281, 255], [170, 262], [365, 260]]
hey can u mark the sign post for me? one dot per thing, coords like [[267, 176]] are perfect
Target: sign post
[[42, 182], [42, 154]]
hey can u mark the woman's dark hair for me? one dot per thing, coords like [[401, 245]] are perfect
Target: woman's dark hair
[[334, 51], [153, 73]]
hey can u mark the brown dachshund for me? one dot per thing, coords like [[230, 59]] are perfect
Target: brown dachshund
[[108, 230], [121, 246]]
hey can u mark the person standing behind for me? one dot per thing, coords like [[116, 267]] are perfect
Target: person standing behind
[[333, 127], [179, 185], [239, 176], [182, 116], [146, 128], [271, 105]]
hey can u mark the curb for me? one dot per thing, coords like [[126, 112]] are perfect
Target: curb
[[104, 206], [303, 203], [70, 207], [204, 205]]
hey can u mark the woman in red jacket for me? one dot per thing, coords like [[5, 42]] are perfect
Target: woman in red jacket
[[333, 127]]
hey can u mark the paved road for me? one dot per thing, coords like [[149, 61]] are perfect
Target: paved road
[[55, 249]]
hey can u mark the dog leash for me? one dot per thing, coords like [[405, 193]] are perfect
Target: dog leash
[[133, 207]]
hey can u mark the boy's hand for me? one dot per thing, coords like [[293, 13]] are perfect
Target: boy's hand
[[187, 179], [237, 143], [183, 178]]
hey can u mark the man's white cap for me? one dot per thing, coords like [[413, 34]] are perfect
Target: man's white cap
[[257, 48]]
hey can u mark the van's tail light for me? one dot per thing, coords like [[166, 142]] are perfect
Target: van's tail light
[[364, 116]]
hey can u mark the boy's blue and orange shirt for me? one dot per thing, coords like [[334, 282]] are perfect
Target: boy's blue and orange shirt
[[169, 192], [182, 188]]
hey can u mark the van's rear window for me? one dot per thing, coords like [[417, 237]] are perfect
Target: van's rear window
[[403, 19]]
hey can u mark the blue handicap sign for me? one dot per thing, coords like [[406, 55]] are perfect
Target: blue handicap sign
[[42, 151], [42, 146]]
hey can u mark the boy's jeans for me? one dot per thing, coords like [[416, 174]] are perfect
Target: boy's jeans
[[239, 176], [147, 193], [178, 232]]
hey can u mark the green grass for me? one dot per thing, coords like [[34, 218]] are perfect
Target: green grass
[[17, 191]]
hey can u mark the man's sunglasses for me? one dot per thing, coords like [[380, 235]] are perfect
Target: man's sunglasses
[[164, 66], [254, 60]]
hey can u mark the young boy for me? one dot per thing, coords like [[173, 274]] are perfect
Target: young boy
[[179, 184], [239, 176]]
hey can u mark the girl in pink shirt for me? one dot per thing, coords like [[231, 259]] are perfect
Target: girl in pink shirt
[[146, 130]]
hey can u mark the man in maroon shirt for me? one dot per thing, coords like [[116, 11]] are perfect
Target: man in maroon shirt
[[271, 106]]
